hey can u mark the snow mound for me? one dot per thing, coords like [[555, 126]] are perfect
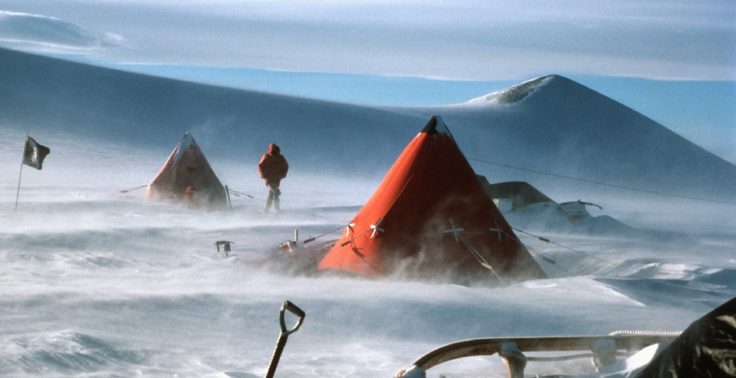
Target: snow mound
[[71, 353]]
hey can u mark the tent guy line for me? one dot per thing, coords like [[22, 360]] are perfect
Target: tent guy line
[[589, 268], [481, 260], [132, 189], [547, 240], [477, 255], [231, 190], [631, 188], [240, 194], [313, 238]]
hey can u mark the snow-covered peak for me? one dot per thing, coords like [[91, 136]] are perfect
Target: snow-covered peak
[[517, 92]]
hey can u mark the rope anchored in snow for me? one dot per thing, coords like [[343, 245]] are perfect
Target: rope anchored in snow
[[132, 189], [546, 240], [240, 194], [457, 233], [313, 238], [483, 262], [551, 260], [546, 258]]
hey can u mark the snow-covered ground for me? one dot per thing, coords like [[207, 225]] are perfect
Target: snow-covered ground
[[94, 282]]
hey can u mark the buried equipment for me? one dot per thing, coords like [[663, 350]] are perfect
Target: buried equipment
[[640, 347], [286, 306], [225, 247], [290, 245]]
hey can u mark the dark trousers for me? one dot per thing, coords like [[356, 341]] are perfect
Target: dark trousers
[[273, 198]]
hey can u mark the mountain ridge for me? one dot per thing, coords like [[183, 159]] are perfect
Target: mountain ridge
[[584, 133], [554, 125]]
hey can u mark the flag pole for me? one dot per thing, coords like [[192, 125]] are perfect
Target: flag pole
[[20, 173], [17, 193]]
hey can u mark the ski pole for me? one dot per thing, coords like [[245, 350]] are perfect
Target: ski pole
[[284, 334]]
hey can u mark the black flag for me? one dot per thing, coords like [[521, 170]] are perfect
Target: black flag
[[34, 153]]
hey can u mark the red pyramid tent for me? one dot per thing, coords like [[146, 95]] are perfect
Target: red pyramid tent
[[429, 217], [187, 177]]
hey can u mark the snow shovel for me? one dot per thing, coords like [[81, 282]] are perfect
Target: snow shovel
[[284, 334]]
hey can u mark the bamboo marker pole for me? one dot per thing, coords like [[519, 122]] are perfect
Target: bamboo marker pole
[[17, 193]]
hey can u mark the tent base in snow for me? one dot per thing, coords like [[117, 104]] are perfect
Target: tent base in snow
[[431, 217], [187, 178]]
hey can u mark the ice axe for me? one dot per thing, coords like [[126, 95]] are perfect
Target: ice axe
[[286, 306]]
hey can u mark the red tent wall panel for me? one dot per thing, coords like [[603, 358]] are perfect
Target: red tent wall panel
[[407, 224]]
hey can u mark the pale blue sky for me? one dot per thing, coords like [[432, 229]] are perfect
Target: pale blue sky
[[470, 39]]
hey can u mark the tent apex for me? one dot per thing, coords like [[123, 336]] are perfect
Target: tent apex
[[187, 136], [436, 125]]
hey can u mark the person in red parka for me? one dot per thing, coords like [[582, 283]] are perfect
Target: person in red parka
[[273, 168]]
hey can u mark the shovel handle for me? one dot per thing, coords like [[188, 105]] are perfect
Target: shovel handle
[[288, 306]]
